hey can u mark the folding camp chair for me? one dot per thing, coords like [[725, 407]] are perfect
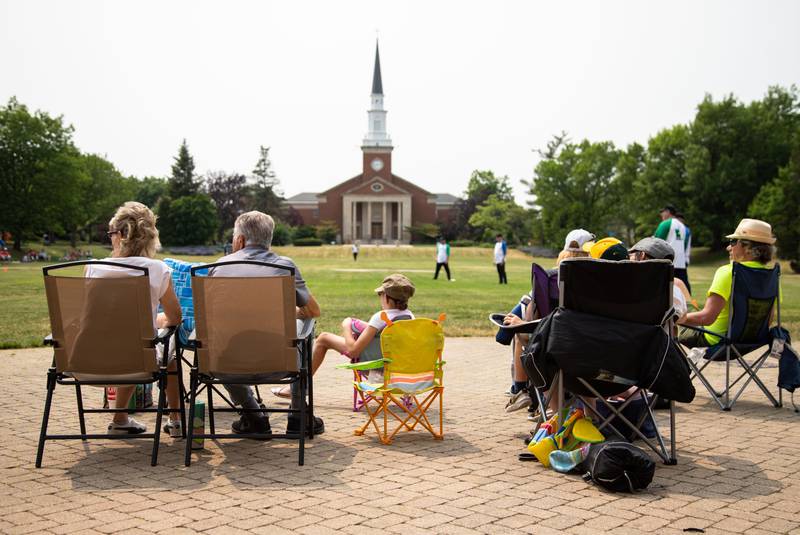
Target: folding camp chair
[[544, 299], [102, 334], [371, 352], [612, 331], [755, 294], [182, 285], [246, 333], [412, 367]]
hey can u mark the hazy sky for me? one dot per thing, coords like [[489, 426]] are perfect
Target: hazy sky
[[468, 85]]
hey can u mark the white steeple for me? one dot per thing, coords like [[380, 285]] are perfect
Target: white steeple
[[376, 127]]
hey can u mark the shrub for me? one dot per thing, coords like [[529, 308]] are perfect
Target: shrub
[[282, 235], [303, 231], [463, 243], [307, 242]]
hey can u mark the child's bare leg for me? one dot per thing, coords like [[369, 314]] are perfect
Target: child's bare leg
[[322, 344]]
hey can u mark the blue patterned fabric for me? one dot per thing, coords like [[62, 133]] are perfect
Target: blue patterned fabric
[[182, 284]]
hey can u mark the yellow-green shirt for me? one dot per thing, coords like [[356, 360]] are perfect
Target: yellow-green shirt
[[721, 285]]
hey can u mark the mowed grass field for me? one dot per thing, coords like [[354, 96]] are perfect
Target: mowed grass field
[[345, 288]]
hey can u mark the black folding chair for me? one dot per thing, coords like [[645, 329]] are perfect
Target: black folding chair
[[102, 334], [246, 334], [612, 331], [755, 295]]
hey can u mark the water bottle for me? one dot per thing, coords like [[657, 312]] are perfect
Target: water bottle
[[198, 424]]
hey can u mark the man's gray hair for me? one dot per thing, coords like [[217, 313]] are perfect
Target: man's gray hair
[[256, 227]]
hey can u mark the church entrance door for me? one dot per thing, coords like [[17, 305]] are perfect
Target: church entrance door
[[376, 230]]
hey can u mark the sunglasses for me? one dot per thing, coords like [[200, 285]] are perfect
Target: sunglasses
[[112, 232], [732, 243]]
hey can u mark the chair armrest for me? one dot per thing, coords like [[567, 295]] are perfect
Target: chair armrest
[[722, 337], [306, 329], [49, 341], [368, 365], [164, 334], [525, 327]]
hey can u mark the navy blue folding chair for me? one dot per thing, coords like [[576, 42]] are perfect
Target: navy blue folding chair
[[755, 296]]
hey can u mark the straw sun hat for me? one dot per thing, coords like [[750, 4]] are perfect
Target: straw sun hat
[[753, 230]]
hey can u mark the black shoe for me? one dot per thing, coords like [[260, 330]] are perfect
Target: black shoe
[[293, 425], [250, 424]]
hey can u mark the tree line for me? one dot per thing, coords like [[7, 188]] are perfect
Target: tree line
[[49, 186], [732, 160]]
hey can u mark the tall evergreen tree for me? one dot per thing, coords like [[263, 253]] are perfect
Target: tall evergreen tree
[[183, 181], [266, 195]]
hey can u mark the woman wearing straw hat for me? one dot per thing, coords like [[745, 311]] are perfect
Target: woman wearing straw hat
[[752, 245]]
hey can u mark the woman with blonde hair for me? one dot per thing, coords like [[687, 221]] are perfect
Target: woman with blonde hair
[[134, 241]]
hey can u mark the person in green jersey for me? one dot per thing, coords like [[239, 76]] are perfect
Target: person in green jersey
[[752, 245]]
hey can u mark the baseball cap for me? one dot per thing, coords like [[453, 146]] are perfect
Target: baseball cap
[[654, 248], [578, 236], [607, 249], [396, 286]]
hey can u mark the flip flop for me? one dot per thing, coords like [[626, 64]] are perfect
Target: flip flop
[[280, 392]]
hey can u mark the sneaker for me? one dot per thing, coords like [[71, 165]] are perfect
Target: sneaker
[[696, 355], [173, 428], [131, 427], [293, 425], [249, 424], [452, 280], [518, 401]]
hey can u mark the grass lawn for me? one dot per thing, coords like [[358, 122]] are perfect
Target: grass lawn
[[345, 288]]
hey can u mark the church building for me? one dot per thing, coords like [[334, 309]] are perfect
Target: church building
[[375, 206]]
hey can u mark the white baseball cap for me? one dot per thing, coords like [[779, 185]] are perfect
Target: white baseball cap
[[577, 238]]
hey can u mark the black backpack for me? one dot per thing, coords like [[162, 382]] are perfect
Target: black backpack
[[618, 466]]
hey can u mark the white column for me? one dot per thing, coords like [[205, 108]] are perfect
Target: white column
[[368, 232], [384, 223], [407, 215]]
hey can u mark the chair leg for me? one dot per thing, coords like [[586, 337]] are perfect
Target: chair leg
[[181, 389], [727, 402], [211, 426], [310, 386], [303, 421], [81, 418], [162, 401], [190, 430], [51, 385]]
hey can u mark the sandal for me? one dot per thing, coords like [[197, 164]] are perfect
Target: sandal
[[281, 392]]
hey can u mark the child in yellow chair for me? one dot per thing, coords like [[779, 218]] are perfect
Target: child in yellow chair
[[359, 340]]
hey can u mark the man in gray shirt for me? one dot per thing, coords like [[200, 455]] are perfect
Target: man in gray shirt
[[252, 237]]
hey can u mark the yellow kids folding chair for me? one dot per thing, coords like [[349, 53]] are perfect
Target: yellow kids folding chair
[[412, 378]]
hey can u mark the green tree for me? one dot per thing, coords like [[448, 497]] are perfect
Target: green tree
[[150, 189], [265, 194], [481, 185], [40, 171], [572, 187], [778, 202], [630, 167], [190, 220], [183, 181], [103, 190], [228, 191], [497, 215], [735, 150]]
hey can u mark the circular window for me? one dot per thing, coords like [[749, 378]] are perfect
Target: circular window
[[376, 187]]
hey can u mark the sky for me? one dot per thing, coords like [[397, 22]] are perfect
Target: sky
[[467, 85]]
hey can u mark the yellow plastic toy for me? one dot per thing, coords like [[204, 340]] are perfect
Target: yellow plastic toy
[[585, 431]]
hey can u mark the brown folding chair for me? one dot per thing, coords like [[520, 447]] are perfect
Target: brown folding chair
[[246, 333], [102, 334]]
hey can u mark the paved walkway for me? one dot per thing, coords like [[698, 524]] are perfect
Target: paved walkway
[[737, 471]]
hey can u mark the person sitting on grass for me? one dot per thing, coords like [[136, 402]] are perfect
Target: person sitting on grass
[[358, 335]]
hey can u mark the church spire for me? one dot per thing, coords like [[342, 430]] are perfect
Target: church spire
[[377, 85], [376, 116]]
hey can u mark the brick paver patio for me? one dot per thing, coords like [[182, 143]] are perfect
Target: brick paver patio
[[737, 471]]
